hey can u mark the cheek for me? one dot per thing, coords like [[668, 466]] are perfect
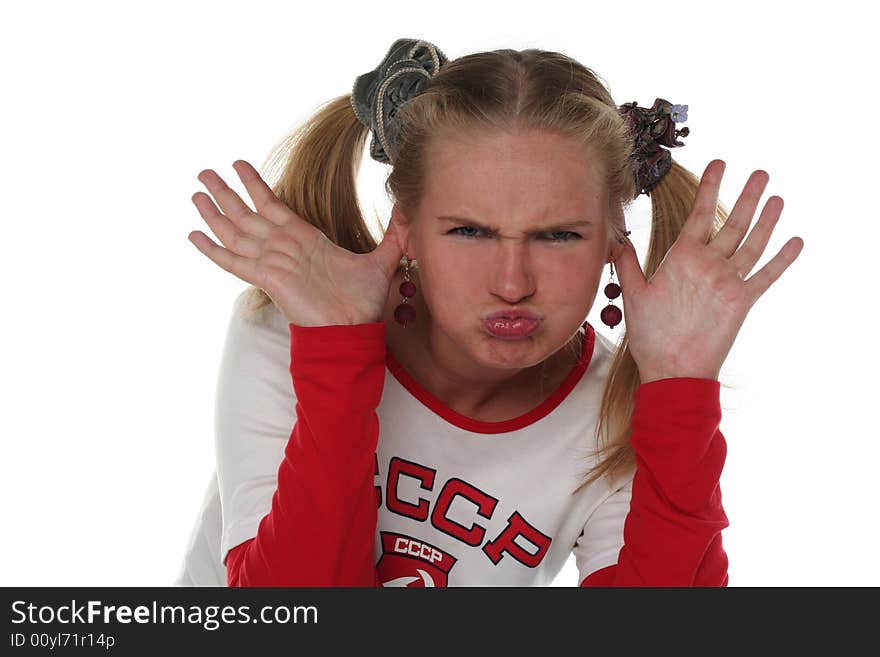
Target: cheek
[[449, 286], [452, 270], [574, 276]]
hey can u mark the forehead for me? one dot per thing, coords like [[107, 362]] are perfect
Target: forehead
[[526, 175]]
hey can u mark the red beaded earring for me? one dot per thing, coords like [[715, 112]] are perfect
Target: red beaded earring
[[405, 314], [611, 314]]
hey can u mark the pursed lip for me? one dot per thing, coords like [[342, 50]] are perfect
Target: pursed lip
[[513, 314]]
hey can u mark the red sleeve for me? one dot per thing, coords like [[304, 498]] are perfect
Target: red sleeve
[[321, 528], [672, 533]]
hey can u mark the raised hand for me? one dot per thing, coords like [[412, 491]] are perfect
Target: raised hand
[[683, 321], [311, 280]]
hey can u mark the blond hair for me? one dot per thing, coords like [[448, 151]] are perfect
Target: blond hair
[[316, 166]]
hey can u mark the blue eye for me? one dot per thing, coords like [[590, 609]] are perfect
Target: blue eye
[[568, 235], [453, 231]]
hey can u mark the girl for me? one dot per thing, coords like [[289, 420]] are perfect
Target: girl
[[455, 421]]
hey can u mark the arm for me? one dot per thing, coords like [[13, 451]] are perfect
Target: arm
[[202, 565], [670, 513], [321, 528]]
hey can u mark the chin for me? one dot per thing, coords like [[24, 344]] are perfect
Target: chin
[[513, 354]]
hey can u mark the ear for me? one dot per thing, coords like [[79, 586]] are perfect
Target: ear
[[402, 224], [615, 251], [616, 230]]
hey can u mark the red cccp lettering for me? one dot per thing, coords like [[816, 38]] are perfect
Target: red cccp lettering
[[517, 526]]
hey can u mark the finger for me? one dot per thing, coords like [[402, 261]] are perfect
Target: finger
[[731, 234], [753, 248], [245, 219], [699, 221], [770, 273], [243, 268], [391, 247], [224, 229], [629, 271], [270, 206], [267, 204]]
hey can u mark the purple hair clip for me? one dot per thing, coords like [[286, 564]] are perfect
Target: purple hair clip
[[654, 132], [679, 113]]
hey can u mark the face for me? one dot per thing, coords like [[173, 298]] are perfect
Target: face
[[513, 223]]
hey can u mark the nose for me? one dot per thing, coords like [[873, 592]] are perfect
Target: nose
[[512, 276]]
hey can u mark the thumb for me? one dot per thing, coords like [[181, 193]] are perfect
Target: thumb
[[391, 249], [629, 271]]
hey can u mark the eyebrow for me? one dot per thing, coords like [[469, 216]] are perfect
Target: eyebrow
[[575, 223]]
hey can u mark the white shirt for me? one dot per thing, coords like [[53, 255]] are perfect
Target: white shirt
[[462, 502]]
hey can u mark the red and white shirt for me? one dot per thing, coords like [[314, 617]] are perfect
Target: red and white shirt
[[335, 467]]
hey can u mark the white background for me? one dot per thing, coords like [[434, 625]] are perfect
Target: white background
[[114, 322]]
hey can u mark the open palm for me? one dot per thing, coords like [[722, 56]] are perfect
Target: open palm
[[311, 280], [682, 322]]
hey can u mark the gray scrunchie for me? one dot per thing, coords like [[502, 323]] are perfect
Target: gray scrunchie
[[376, 96]]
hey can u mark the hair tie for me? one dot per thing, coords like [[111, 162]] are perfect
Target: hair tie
[[410, 63], [652, 129], [401, 75]]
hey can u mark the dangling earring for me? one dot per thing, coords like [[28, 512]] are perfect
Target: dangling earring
[[405, 314], [611, 314]]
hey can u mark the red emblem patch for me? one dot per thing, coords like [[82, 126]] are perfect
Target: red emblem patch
[[408, 561]]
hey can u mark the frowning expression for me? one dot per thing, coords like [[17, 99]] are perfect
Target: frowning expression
[[515, 223]]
